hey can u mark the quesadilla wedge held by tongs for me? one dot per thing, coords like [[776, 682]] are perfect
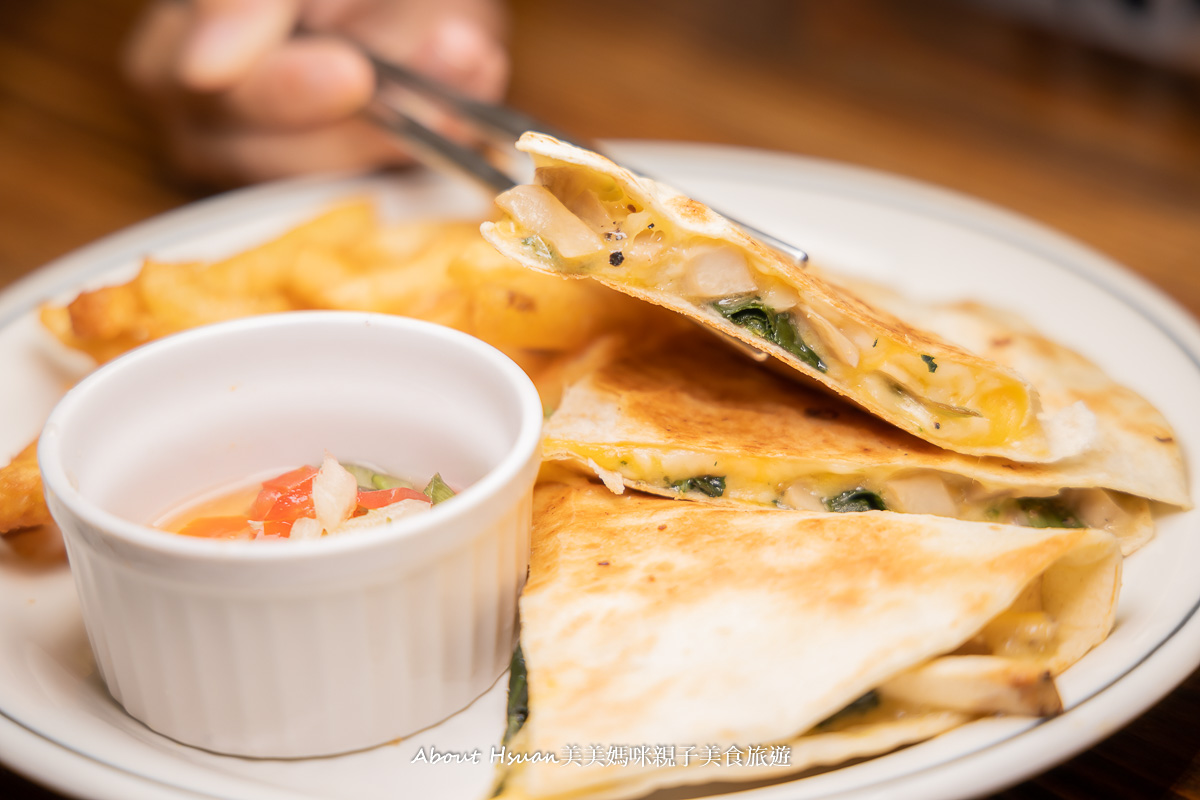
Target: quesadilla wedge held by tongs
[[805, 639], [687, 418], [587, 217]]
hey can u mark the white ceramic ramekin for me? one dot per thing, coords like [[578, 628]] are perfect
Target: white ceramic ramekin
[[290, 649]]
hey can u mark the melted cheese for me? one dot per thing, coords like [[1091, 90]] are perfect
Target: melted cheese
[[632, 247], [803, 484]]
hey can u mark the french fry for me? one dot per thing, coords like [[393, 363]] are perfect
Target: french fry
[[166, 298], [22, 504], [267, 267], [372, 277], [179, 299]]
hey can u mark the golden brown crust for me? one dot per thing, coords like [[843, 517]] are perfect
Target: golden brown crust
[[676, 552], [22, 504]]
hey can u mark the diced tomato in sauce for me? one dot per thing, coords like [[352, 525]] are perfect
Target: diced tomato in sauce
[[281, 501], [291, 507], [292, 479]]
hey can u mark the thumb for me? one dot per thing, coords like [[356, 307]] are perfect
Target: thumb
[[227, 37]]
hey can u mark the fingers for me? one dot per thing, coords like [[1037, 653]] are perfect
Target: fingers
[[299, 83], [241, 98], [305, 83], [228, 37], [233, 157]]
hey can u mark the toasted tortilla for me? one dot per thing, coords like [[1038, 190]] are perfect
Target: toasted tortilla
[[679, 415], [1134, 449], [588, 217], [651, 622]]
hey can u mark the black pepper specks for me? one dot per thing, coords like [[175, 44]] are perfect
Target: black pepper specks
[[616, 258], [929, 362], [602, 563]]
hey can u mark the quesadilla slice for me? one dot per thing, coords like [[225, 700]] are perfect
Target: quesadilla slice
[[587, 217], [784, 640], [1134, 448], [686, 418]]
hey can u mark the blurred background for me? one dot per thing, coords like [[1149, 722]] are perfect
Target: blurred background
[[1081, 114], [1084, 115]]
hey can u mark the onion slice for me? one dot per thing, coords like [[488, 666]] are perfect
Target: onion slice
[[334, 493], [718, 272], [544, 214], [305, 528]]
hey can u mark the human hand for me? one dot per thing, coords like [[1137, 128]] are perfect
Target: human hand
[[240, 98]]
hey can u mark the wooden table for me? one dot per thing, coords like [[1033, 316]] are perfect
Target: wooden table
[[1100, 147]]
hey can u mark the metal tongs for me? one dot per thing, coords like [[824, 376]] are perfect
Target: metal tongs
[[399, 88], [401, 91]]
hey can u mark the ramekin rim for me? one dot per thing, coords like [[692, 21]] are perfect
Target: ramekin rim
[[515, 461]]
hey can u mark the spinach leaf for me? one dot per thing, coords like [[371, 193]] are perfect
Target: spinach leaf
[[539, 247], [862, 705], [518, 695], [750, 313], [855, 500], [1047, 512], [711, 485]]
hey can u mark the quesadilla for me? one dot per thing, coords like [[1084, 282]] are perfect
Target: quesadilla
[[822, 637], [686, 418], [588, 217], [1134, 448]]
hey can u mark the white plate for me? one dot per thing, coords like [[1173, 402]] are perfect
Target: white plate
[[59, 725]]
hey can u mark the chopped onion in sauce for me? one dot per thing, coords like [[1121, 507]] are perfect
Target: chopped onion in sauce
[[305, 528], [334, 494]]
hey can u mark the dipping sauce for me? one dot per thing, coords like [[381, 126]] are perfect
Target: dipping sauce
[[307, 503]]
